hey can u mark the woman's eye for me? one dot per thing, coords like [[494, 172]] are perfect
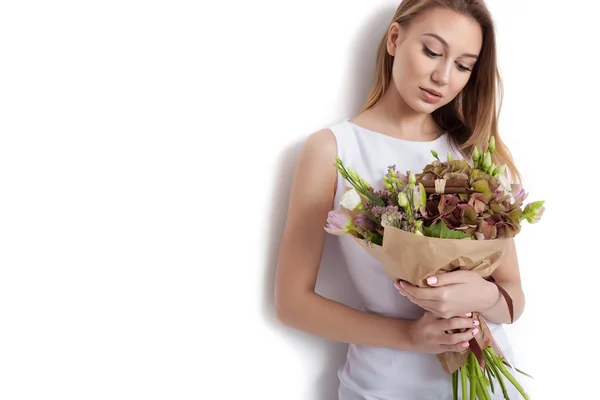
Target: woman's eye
[[462, 67], [429, 52]]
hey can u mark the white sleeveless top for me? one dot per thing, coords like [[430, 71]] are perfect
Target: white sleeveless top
[[385, 373]]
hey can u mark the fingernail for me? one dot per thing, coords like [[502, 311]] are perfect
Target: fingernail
[[465, 345], [432, 280], [475, 322], [468, 314], [475, 331], [397, 285]]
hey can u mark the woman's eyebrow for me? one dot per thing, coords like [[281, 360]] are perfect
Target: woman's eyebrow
[[441, 39]]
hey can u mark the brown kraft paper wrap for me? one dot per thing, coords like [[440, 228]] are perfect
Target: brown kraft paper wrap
[[413, 258]]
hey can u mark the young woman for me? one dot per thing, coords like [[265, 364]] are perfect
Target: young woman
[[436, 87]]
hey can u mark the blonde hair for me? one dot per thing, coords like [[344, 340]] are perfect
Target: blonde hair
[[472, 117]]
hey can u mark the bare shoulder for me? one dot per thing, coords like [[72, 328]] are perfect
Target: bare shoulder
[[321, 144], [317, 159]]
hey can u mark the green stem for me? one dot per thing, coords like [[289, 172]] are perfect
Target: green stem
[[482, 391], [357, 185], [455, 385], [524, 373], [489, 375], [490, 362], [472, 377], [511, 378], [481, 380], [463, 379]]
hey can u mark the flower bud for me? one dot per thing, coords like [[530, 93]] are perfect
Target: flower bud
[[476, 154], [402, 200], [435, 154], [492, 145], [449, 156], [501, 169], [411, 178], [338, 223], [487, 161]]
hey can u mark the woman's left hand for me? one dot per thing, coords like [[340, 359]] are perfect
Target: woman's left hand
[[452, 294]]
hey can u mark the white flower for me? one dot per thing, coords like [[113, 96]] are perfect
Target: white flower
[[504, 184], [351, 200], [506, 188]]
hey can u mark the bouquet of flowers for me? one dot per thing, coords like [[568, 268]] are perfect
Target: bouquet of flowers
[[452, 215]]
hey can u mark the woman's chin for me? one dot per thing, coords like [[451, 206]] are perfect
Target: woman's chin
[[423, 107]]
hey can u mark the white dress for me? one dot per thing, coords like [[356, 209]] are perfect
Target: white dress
[[373, 373]]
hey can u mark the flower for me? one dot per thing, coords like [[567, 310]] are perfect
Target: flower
[[476, 154], [533, 211], [479, 202], [402, 200], [483, 207], [419, 196], [390, 217], [518, 193], [351, 200], [339, 222], [411, 178], [492, 145], [487, 161], [504, 185], [362, 222]]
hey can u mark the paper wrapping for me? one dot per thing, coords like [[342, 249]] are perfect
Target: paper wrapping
[[413, 258]]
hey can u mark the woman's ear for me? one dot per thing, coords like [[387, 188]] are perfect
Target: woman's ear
[[394, 38]]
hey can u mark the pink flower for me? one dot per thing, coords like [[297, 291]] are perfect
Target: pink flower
[[339, 222]]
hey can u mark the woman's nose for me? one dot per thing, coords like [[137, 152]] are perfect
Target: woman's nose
[[441, 75]]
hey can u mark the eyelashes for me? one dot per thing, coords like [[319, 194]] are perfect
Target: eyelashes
[[432, 54]]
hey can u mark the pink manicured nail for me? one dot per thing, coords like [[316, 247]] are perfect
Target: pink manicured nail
[[468, 314], [397, 285], [475, 331], [432, 280], [465, 345], [475, 322]]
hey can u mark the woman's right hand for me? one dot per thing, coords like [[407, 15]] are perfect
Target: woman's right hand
[[428, 334]]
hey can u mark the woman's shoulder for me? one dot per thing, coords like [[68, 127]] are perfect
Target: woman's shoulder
[[325, 142], [321, 143]]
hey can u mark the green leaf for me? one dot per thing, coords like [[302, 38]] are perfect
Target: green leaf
[[440, 230]]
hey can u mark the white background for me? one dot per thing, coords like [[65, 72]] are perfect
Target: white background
[[140, 230]]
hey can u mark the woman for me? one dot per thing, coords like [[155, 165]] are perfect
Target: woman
[[435, 88]]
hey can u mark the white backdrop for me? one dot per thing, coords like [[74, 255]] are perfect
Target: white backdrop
[[145, 164]]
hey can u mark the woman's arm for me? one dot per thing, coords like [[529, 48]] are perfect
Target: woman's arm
[[507, 275], [456, 293], [301, 250]]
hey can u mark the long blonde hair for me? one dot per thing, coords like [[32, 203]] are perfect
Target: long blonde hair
[[472, 117]]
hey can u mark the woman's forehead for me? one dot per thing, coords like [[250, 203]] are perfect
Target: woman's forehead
[[455, 30]]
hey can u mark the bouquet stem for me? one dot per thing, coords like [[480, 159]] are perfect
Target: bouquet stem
[[480, 379]]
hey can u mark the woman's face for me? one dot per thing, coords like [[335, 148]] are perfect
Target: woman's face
[[434, 57]]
